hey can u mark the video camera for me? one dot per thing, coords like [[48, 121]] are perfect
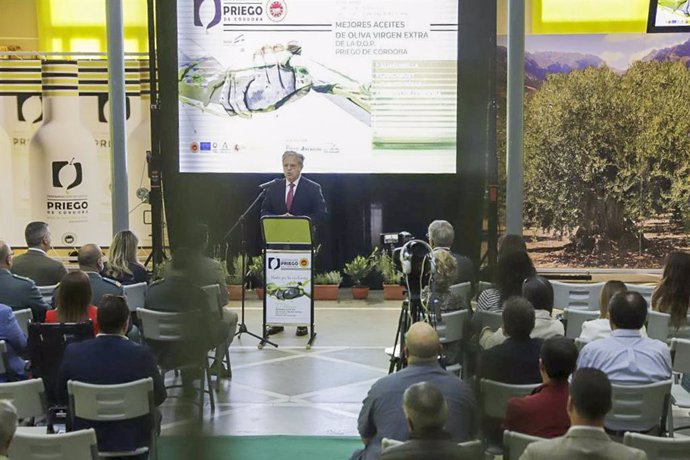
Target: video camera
[[413, 258]]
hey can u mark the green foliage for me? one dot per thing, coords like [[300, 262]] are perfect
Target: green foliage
[[328, 278], [604, 151], [256, 268], [236, 276], [161, 269], [360, 267], [387, 268]]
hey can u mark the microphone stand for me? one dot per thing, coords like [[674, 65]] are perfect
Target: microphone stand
[[243, 253]]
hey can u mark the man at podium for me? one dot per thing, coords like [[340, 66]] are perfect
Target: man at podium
[[295, 195]]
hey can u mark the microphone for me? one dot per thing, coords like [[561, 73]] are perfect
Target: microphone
[[265, 185]]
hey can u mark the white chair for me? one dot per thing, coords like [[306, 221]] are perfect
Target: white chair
[[23, 318], [47, 292], [472, 449], [495, 396], [77, 445], [491, 319], [658, 448], [639, 407], [135, 295], [463, 290], [4, 364], [27, 396], [680, 350], [514, 444], [482, 286], [575, 318], [644, 289], [114, 403], [452, 330], [579, 343], [575, 295]]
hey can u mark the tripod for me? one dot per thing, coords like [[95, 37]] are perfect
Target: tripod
[[243, 253], [410, 312]]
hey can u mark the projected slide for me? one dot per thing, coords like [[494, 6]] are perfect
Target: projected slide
[[357, 86], [669, 16]]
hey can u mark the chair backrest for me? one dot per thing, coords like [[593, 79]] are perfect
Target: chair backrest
[[495, 395], [213, 293], [638, 407], [135, 295], [77, 445], [575, 318], [472, 449], [166, 326], [658, 325], [4, 365], [491, 319], [680, 349], [482, 286], [658, 448], [514, 444], [23, 318], [47, 343], [28, 397], [645, 289], [579, 343], [574, 295], [47, 292], [110, 403], [463, 290], [452, 327]]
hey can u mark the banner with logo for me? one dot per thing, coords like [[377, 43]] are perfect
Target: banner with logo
[[358, 86], [288, 287]]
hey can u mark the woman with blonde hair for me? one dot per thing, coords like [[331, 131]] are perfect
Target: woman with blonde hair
[[600, 328], [73, 300], [122, 264]]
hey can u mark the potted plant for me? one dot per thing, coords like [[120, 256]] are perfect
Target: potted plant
[[234, 279], [256, 269], [326, 285], [392, 289], [357, 270]]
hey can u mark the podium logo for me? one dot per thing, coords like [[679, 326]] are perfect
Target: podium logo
[[67, 172], [273, 263], [216, 16]]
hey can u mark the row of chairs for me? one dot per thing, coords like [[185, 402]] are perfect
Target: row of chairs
[[134, 293], [658, 324]]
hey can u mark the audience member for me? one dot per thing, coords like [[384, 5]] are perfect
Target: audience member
[[516, 360], [588, 404], [539, 292], [441, 235], [90, 260], [426, 412], [382, 411], [178, 293], [73, 301], [8, 426], [543, 413], [512, 270], [15, 340], [35, 262], [511, 243], [626, 357], [110, 359], [601, 328], [123, 265], [19, 292], [672, 295]]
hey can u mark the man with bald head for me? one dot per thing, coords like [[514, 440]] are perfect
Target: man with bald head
[[382, 414], [19, 292], [90, 260]]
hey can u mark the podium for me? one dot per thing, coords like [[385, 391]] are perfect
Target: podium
[[288, 273]]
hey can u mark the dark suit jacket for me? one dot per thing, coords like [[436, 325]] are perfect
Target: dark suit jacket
[[543, 413], [43, 270], [308, 200], [19, 292], [100, 286], [437, 446], [109, 360], [514, 361]]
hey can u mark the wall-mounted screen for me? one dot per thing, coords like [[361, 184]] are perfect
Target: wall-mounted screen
[[669, 16], [358, 86]]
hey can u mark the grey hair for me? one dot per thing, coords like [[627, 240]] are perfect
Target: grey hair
[[425, 407], [290, 153], [8, 422], [442, 233], [34, 233]]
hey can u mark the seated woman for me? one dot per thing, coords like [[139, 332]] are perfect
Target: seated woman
[[74, 301], [672, 295], [512, 270], [122, 264], [539, 292], [601, 328]]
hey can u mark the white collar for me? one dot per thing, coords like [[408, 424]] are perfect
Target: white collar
[[38, 250], [586, 428], [102, 334], [296, 182]]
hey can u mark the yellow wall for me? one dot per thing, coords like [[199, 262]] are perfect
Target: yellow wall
[[18, 24]]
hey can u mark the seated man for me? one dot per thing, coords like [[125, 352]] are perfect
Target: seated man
[[177, 292], [8, 426], [543, 413], [90, 260], [441, 235], [626, 357], [382, 413], [589, 401], [109, 359], [17, 291], [35, 262], [426, 412], [516, 360]]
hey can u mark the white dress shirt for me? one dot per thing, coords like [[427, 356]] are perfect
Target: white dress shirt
[[600, 329], [294, 190]]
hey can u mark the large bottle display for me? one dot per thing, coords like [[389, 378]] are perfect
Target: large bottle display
[[64, 167], [20, 117]]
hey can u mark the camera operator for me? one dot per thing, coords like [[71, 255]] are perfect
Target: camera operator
[[441, 235]]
